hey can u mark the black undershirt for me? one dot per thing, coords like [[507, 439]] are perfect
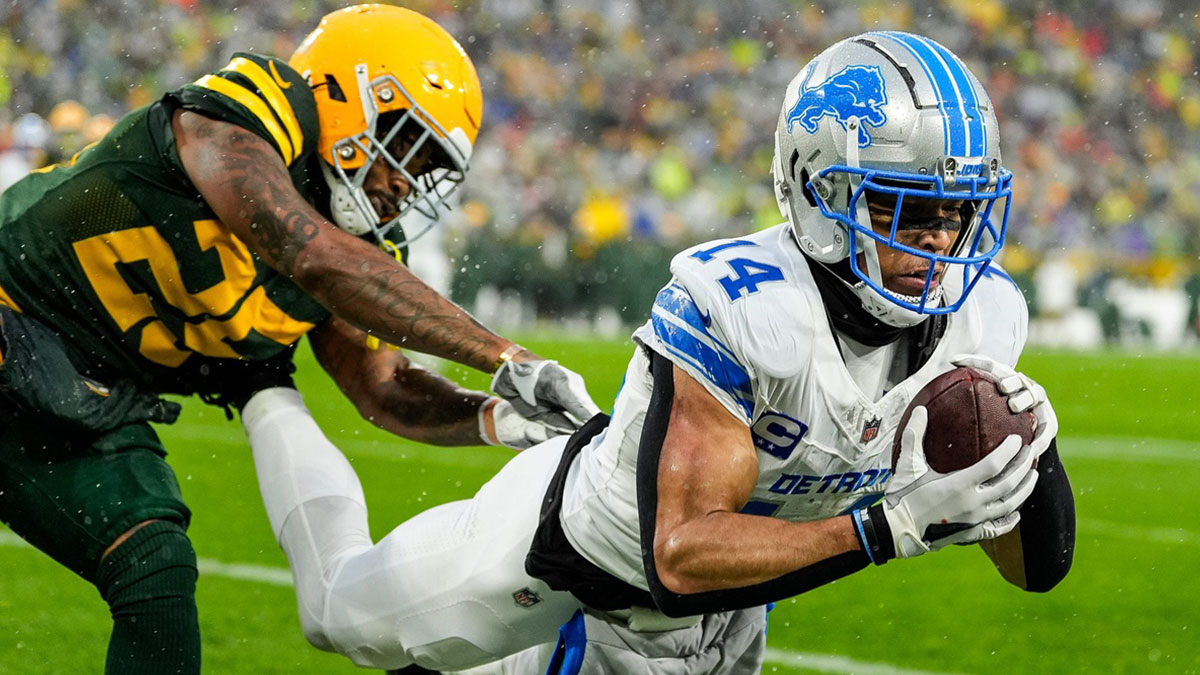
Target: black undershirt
[[847, 316], [845, 310]]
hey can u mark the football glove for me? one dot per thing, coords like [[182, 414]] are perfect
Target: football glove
[[543, 391], [926, 510], [1023, 394], [501, 424], [38, 378]]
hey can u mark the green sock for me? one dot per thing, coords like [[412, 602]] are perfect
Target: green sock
[[149, 583]]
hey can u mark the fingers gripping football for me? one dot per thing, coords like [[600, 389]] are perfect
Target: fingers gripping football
[[1023, 394], [926, 510], [545, 392]]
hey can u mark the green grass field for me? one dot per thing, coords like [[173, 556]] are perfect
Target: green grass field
[[1130, 438]]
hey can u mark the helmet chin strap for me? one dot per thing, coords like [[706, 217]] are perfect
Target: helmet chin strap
[[888, 311], [348, 205]]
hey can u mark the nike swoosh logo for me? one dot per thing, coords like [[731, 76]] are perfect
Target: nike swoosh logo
[[706, 318], [275, 75]]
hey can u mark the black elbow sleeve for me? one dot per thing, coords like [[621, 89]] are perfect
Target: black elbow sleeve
[[1048, 525]]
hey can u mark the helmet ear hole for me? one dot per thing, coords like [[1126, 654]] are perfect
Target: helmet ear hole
[[335, 89], [803, 183]]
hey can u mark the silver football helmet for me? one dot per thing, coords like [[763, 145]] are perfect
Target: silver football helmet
[[889, 116]]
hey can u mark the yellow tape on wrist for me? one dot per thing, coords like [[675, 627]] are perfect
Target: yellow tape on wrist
[[375, 344]]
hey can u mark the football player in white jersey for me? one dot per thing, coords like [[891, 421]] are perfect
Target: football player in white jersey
[[748, 456]]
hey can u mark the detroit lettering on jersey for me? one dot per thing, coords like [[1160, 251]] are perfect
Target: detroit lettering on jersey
[[850, 481], [778, 435]]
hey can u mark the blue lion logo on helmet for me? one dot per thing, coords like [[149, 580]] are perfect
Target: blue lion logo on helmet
[[853, 91]]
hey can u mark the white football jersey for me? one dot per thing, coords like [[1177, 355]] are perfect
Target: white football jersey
[[744, 317]]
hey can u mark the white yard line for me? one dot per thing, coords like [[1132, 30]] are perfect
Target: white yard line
[[1156, 535], [832, 663], [485, 458], [1130, 449], [274, 576]]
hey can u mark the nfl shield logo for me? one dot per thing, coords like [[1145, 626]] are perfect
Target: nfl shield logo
[[871, 429], [526, 597]]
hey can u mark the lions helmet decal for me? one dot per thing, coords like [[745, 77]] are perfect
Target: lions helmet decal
[[855, 91]]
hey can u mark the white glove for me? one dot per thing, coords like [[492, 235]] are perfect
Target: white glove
[[1023, 394], [500, 424], [545, 392], [926, 510]]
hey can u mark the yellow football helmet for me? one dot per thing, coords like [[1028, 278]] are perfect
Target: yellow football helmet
[[390, 83]]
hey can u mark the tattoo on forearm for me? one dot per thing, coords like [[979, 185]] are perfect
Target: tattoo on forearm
[[443, 413], [424, 320], [280, 221]]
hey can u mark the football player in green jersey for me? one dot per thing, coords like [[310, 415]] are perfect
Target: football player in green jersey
[[188, 251]]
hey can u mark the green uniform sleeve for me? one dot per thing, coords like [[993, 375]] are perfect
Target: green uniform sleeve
[[264, 95]]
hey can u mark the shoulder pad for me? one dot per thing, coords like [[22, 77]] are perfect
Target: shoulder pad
[[753, 298], [263, 94], [1004, 314]]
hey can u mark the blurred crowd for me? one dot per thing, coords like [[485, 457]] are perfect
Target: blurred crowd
[[618, 131]]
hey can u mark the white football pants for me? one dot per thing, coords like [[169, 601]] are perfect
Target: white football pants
[[446, 590]]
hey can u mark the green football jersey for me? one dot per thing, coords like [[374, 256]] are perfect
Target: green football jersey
[[117, 251]]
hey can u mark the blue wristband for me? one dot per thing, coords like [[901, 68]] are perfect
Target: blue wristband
[[857, 517]]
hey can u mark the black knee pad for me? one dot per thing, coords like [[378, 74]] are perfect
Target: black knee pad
[[157, 564]]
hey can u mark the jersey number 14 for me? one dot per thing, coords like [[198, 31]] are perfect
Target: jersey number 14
[[747, 273]]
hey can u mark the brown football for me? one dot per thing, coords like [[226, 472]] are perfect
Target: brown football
[[968, 418]]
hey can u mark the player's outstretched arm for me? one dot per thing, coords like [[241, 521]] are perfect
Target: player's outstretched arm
[[400, 396], [245, 182], [706, 556]]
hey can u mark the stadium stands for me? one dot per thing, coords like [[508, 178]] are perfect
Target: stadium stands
[[616, 132]]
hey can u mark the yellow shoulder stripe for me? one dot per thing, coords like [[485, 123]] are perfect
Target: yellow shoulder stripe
[[256, 106], [7, 301], [270, 88]]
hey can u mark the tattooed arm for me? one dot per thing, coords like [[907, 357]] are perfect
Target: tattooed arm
[[246, 184], [393, 393]]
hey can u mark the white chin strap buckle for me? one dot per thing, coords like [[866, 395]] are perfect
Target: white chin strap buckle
[[348, 205]]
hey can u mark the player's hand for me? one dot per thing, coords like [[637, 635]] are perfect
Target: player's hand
[[1023, 394], [501, 424], [38, 378], [543, 391], [55, 390], [926, 510]]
